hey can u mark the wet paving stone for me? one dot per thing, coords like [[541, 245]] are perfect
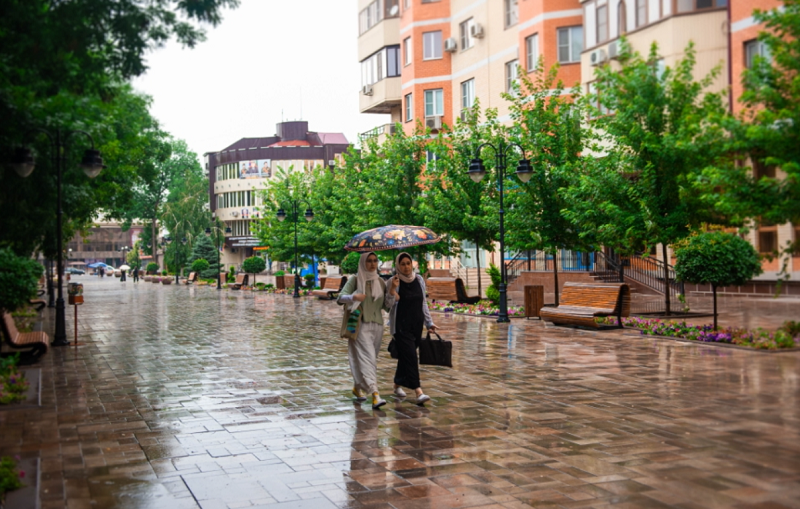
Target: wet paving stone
[[187, 397]]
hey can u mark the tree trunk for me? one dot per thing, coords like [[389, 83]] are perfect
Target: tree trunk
[[714, 292], [667, 286], [478, 262], [555, 274]]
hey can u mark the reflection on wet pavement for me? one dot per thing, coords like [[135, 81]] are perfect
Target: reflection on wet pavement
[[190, 397]]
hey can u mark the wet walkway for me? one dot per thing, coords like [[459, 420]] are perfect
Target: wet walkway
[[185, 397]]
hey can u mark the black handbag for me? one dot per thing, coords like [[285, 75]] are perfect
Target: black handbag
[[393, 349], [436, 352]]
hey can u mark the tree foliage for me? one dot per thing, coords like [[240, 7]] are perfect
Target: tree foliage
[[19, 277], [254, 265]]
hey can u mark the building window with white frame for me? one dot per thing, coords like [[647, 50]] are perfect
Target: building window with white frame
[[753, 49], [468, 94], [465, 30], [432, 45], [532, 52], [512, 74], [511, 11], [570, 44], [622, 18], [602, 24], [409, 107], [641, 13], [434, 103], [408, 51]]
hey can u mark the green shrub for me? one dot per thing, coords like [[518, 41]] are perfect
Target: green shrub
[[231, 278], [350, 263], [280, 273], [152, 268], [9, 476], [19, 279], [200, 265], [493, 292]]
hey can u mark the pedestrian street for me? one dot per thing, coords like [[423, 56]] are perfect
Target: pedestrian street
[[186, 396]]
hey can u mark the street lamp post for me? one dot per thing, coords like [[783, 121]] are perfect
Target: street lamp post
[[216, 244], [524, 171], [309, 215], [92, 164]]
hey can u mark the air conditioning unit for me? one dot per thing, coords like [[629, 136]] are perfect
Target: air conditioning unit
[[451, 45], [613, 50], [331, 162], [598, 56], [433, 122], [476, 30], [366, 90], [464, 114], [235, 214]]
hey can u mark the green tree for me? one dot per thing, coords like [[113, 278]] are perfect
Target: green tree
[[254, 265], [547, 124], [665, 129], [133, 255], [350, 263], [718, 259], [493, 292], [204, 249], [200, 265], [19, 278], [454, 205]]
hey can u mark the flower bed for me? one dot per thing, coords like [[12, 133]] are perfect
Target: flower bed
[[10, 476], [786, 337], [482, 308], [13, 385]]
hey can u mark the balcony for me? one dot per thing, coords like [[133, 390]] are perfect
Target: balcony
[[381, 133], [384, 33], [380, 97]]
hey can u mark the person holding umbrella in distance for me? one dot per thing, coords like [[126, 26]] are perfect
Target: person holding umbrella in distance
[[409, 312]]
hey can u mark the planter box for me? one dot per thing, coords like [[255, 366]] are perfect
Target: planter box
[[166, 280], [155, 280]]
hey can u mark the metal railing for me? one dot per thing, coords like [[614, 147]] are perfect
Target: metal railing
[[387, 129], [540, 261]]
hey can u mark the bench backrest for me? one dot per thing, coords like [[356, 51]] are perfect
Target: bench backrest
[[241, 279], [442, 288], [334, 283], [193, 276], [461, 290], [9, 326], [597, 295]]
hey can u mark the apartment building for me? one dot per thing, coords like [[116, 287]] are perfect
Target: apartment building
[[428, 60], [239, 171]]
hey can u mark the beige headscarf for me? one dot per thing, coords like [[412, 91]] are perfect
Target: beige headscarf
[[403, 277], [361, 281]]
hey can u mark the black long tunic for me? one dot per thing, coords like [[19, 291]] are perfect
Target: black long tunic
[[409, 322]]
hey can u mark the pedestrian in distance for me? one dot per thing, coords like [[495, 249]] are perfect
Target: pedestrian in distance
[[102, 272], [409, 313], [136, 274], [367, 291], [122, 276]]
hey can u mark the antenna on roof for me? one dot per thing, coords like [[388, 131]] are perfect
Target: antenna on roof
[[301, 103]]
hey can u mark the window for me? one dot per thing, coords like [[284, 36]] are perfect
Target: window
[[432, 45], [467, 94], [431, 157], [696, 5], [511, 12], [601, 110], [602, 23], [409, 107], [466, 37], [767, 240], [384, 63], [407, 50], [753, 49], [512, 73], [570, 44], [641, 13], [622, 18], [796, 250], [763, 170], [375, 12], [532, 52], [434, 103]]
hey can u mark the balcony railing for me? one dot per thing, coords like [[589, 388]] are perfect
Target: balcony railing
[[381, 130]]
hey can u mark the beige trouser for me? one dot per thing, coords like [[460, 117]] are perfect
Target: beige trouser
[[363, 353]]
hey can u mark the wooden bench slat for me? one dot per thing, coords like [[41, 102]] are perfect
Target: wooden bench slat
[[332, 286], [39, 341], [449, 289], [582, 302]]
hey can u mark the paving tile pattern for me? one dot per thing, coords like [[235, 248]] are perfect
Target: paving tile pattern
[[186, 397]]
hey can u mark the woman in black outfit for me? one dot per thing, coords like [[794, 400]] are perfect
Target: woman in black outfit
[[409, 313]]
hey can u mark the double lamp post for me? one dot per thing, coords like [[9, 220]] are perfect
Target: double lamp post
[[524, 171], [217, 231], [24, 163], [295, 212]]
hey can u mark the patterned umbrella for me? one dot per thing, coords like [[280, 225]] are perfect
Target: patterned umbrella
[[393, 236]]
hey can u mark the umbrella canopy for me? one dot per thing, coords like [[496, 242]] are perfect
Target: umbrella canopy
[[96, 264], [392, 236], [124, 267]]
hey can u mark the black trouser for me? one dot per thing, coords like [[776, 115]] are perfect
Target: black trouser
[[407, 374]]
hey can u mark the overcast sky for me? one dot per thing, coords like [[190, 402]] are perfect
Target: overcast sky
[[267, 60]]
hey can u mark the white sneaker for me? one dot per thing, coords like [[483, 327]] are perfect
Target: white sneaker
[[377, 401], [422, 398], [399, 392]]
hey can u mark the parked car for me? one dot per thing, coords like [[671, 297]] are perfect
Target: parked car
[[73, 270]]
